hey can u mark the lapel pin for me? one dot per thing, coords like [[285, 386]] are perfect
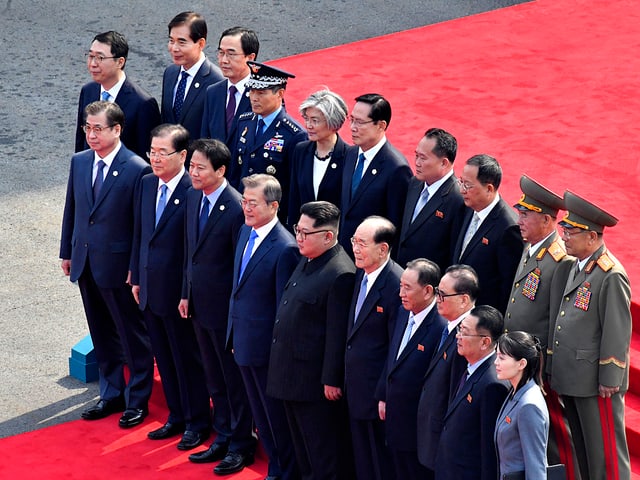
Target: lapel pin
[[115, 173], [333, 165], [221, 207], [379, 309], [469, 398], [420, 347], [439, 214], [485, 241], [444, 355], [374, 171], [507, 419], [176, 201], [197, 85]]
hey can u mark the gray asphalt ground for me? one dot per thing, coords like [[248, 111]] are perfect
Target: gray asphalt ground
[[41, 71]]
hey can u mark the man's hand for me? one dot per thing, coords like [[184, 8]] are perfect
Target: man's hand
[[382, 410], [135, 289], [183, 308], [607, 392], [66, 267], [332, 393]]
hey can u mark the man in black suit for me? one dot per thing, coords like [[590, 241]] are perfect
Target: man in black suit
[[489, 239], [376, 175], [467, 450], [184, 83], [372, 318], [433, 202], [416, 337], [106, 60], [156, 278], [266, 255], [306, 368], [456, 295], [229, 98], [95, 248], [213, 219]]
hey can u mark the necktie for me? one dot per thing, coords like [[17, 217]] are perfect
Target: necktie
[[528, 255], [473, 226], [357, 174], [463, 380], [105, 96], [204, 215], [231, 106], [407, 334], [422, 201], [443, 337], [97, 183], [260, 128], [576, 272], [247, 252], [162, 202], [362, 294], [179, 100]]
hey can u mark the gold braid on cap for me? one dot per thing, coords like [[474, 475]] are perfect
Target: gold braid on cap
[[530, 206], [575, 224]]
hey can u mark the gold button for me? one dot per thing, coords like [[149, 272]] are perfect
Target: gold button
[[559, 327], [513, 300], [517, 285], [566, 299], [562, 313], [557, 343]]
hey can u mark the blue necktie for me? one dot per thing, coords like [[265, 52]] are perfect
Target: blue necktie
[[463, 380], [407, 334], [260, 129], [231, 106], [357, 174], [204, 215], [422, 201], [97, 183], [179, 100], [162, 202], [443, 337], [247, 252], [362, 294], [105, 96]]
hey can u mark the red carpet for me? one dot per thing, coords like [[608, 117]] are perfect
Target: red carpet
[[549, 88]]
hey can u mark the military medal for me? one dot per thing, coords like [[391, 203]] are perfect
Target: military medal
[[271, 170], [583, 296], [531, 284], [275, 144]]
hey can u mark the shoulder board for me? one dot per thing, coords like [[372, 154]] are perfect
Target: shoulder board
[[292, 126], [556, 251], [245, 116], [605, 262]]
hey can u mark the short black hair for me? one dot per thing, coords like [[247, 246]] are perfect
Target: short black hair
[[196, 23], [115, 115], [324, 214], [523, 345], [489, 319], [465, 280], [248, 39], [446, 144], [380, 106], [179, 135], [116, 41], [216, 152], [428, 271], [489, 170]]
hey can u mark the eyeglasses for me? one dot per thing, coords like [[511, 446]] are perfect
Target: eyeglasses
[[465, 187], [303, 235], [96, 58], [358, 243], [249, 204], [160, 155], [568, 234], [462, 333], [180, 43], [230, 55], [357, 122], [441, 296], [97, 129], [313, 121]]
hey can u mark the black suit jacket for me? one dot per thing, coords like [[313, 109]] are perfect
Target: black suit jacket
[[193, 106], [100, 233], [403, 377], [435, 228], [310, 331], [208, 269], [214, 119], [141, 115], [157, 257], [301, 188], [368, 340], [494, 252], [467, 449], [440, 384], [382, 191]]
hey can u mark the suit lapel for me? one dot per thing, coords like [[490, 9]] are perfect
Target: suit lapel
[[115, 171], [174, 202], [371, 299], [194, 88], [376, 167], [412, 199], [265, 246], [243, 106], [471, 381], [216, 213], [243, 238], [417, 337]]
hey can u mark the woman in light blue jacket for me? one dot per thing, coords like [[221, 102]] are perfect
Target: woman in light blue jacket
[[522, 428]]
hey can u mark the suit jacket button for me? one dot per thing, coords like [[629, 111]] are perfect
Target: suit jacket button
[[348, 347], [517, 284], [274, 340], [86, 245], [285, 302], [562, 313], [277, 320], [559, 327]]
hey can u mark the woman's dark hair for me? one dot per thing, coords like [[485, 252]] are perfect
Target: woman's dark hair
[[521, 345]]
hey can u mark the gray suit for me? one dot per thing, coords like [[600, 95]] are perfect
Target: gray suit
[[521, 433]]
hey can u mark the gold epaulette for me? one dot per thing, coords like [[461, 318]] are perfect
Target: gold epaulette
[[614, 360], [605, 262], [556, 251]]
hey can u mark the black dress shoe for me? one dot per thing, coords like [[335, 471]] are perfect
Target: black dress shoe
[[103, 409], [132, 417], [215, 452], [191, 439], [233, 462], [168, 430]]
